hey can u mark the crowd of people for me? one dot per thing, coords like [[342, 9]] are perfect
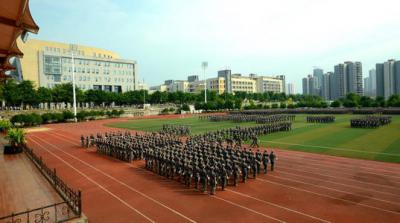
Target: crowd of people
[[260, 119], [205, 161], [205, 164], [320, 119], [179, 130], [235, 136], [274, 118], [370, 121], [129, 147]]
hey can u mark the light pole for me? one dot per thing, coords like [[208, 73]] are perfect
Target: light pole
[[144, 94], [204, 65], [73, 48]]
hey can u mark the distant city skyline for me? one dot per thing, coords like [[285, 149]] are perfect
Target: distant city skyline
[[170, 39]]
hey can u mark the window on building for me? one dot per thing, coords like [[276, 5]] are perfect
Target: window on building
[[57, 78]]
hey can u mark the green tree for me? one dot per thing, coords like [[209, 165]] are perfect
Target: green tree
[[394, 101], [96, 97], [336, 104], [44, 95], [380, 101], [12, 94], [28, 93], [366, 101]]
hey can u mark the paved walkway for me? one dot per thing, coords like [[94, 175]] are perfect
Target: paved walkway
[[22, 186]]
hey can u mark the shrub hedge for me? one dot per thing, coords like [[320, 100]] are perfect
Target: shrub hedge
[[33, 119]]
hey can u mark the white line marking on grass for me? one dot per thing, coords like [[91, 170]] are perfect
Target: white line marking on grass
[[332, 148], [94, 182], [331, 197], [122, 183], [276, 205]]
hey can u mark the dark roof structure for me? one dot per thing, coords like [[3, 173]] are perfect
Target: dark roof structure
[[15, 20]]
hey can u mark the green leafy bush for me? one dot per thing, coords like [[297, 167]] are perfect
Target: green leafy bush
[[16, 136], [17, 119], [114, 113], [165, 111], [5, 124], [185, 107], [68, 115], [81, 115]]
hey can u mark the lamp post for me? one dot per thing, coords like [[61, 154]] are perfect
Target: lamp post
[[204, 65], [144, 94]]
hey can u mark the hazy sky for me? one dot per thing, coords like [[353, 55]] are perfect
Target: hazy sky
[[170, 38]]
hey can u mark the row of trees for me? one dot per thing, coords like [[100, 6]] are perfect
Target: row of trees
[[25, 94], [353, 100]]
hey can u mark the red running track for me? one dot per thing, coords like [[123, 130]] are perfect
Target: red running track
[[305, 187]]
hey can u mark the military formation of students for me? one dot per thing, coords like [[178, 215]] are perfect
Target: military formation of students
[[176, 129], [204, 161], [320, 119], [261, 119], [205, 164], [370, 121]]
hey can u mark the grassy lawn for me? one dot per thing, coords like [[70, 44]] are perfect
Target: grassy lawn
[[382, 144]]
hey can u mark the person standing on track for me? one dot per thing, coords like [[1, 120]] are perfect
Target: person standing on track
[[213, 182], [204, 179], [254, 143], [265, 160], [272, 158], [87, 142], [82, 141]]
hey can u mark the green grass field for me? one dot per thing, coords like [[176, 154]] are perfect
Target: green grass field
[[382, 144]]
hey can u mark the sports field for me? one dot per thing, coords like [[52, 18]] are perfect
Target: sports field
[[305, 187], [381, 144]]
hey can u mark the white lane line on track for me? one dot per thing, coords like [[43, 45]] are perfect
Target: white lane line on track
[[122, 183], [298, 161], [307, 166], [221, 198], [346, 185], [331, 176], [333, 148], [292, 180], [344, 162], [333, 189], [313, 193], [276, 205], [328, 196], [94, 182], [344, 178], [299, 155], [246, 208]]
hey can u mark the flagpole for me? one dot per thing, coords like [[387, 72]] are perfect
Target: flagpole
[[73, 85]]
